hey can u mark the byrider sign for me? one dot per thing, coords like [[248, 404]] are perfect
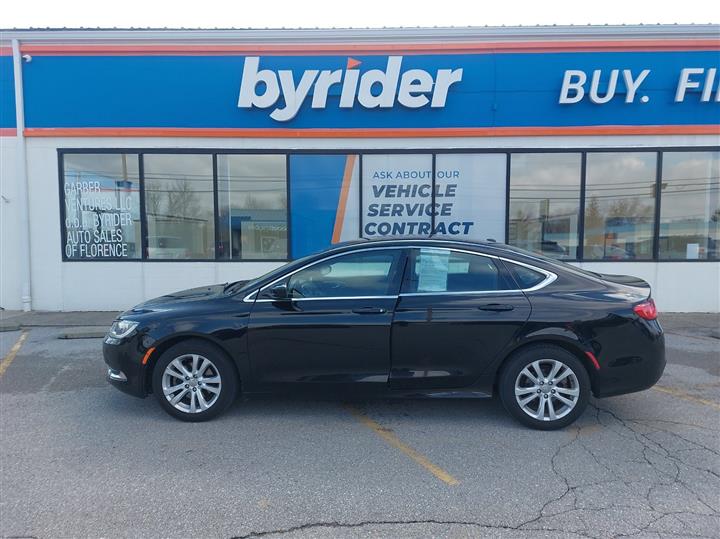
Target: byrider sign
[[573, 90], [375, 88]]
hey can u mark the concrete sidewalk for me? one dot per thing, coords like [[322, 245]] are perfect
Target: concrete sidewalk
[[14, 320]]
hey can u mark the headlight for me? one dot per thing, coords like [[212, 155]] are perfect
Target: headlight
[[122, 328]]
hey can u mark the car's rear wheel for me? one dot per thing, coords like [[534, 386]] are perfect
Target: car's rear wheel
[[544, 387], [194, 381]]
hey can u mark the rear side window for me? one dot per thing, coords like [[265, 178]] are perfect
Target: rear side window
[[441, 270], [525, 277]]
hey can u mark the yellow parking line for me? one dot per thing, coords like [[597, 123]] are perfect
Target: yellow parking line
[[5, 363], [395, 442], [682, 395]]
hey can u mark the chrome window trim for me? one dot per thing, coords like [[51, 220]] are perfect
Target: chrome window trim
[[248, 299], [549, 276], [328, 298]]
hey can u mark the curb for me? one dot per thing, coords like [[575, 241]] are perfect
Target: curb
[[10, 327], [87, 332]]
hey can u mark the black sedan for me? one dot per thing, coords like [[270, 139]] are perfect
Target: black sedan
[[397, 318]]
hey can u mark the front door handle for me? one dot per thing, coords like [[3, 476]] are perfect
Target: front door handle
[[369, 310], [496, 307]]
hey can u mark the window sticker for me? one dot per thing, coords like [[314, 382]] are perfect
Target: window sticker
[[432, 270]]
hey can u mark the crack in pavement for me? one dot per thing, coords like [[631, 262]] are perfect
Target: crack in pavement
[[633, 506], [333, 524]]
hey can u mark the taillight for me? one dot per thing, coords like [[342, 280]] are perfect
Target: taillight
[[646, 310]]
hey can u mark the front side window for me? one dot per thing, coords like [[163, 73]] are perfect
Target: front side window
[[352, 275], [620, 206], [179, 204], [101, 206], [441, 270], [690, 206], [545, 203]]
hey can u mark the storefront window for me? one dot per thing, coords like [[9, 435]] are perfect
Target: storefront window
[[397, 196], [620, 206], [690, 206], [325, 195], [545, 203], [101, 206], [179, 205], [281, 206], [252, 207], [471, 189]]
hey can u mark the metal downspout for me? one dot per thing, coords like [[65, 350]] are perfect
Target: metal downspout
[[22, 178]]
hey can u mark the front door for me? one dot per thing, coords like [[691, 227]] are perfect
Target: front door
[[333, 331], [456, 312]]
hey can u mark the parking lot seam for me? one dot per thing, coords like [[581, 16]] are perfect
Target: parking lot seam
[[8, 359], [395, 442]]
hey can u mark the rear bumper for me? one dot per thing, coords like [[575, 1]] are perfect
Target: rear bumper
[[637, 370], [126, 371]]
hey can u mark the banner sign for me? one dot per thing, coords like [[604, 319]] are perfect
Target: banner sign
[[412, 91]]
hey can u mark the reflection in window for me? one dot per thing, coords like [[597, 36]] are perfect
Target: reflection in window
[[619, 206], [352, 275], [524, 276], [179, 206], [440, 270], [545, 203], [102, 206], [252, 207], [690, 206]]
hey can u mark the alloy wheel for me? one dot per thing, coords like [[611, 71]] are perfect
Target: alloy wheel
[[191, 383], [547, 389]]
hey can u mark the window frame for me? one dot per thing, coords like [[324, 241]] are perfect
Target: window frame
[[256, 295], [415, 252], [583, 150], [395, 274]]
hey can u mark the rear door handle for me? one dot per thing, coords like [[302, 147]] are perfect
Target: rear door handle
[[369, 310], [497, 307]]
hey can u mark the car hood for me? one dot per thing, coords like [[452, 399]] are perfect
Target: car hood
[[178, 299]]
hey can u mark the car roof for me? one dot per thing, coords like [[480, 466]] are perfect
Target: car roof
[[404, 240]]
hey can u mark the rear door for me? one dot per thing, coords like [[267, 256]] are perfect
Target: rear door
[[456, 312]]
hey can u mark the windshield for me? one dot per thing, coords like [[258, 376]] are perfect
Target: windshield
[[238, 286]]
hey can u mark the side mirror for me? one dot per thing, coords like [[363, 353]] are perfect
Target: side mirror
[[279, 292]]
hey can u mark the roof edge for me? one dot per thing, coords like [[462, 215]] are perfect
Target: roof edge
[[366, 35]]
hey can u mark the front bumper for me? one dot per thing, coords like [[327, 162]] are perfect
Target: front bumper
[[125, 361]]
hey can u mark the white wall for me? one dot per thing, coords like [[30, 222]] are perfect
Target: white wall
[[676, 286], [10, 278], [57, 285]]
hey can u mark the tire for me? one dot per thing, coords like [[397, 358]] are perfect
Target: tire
[[540, 399], [203, 396]]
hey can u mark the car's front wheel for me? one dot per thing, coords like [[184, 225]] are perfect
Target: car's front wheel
[[194, 381], [544, 387]]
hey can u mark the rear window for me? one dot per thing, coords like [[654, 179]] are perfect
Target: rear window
[[525, 277]]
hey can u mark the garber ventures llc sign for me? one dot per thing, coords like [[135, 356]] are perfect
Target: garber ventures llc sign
[[284, 93]]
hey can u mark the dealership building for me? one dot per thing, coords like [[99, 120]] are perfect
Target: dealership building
[[139, 162]]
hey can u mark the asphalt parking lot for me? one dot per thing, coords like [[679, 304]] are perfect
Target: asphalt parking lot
[[79, 458]]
